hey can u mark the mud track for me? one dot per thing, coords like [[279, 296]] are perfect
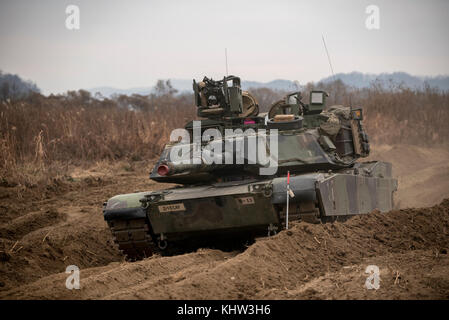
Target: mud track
[[39, 238]]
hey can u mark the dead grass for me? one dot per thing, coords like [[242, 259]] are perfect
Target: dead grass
[[41, 136], [395, 114]]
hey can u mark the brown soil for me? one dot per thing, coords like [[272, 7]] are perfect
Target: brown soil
[[423, 173], [40, 238]]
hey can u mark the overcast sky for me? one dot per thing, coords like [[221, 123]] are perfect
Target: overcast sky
[[133, 43]]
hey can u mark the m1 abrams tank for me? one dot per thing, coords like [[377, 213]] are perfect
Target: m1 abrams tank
[[241, 173]]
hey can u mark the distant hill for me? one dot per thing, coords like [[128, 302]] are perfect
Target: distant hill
[[362, 80], [279, 84], [13, 87], [353, 79], [109, 91], [184, 85]]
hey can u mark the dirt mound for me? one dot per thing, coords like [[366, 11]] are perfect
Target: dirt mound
[[307, 261], [43, 235], [413, 275], [51, 248], [30, 222]]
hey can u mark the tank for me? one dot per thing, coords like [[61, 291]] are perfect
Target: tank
[[241, 173]]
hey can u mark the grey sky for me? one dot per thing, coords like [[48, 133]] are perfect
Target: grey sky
[[133, 43]]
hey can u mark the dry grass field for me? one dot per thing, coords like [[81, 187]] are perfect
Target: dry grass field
[[62, 156]]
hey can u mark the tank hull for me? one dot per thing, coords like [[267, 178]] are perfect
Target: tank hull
[[144, 222]]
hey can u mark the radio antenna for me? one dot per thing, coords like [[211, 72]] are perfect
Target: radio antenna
[[328, 57], [226, 59]]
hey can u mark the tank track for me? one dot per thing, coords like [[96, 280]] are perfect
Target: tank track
[[133, 238]]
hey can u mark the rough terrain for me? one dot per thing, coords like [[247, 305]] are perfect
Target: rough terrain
[[41, 236]]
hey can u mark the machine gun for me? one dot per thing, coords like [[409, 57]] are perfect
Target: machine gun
[[223, 99], [292, 104]]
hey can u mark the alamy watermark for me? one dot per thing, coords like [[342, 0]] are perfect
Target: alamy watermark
[[372, 22], [373, 280], [211, 148], [73, 280], [72, 21]]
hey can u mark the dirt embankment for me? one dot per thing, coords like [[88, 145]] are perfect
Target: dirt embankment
[[39, 238], [308, 261]]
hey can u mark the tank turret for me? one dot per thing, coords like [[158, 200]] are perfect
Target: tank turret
[[308, 136]]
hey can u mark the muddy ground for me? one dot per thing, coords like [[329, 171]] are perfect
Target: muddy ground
[[41, 235]]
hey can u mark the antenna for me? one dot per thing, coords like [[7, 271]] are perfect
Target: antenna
[[328, 57], [226, 58]]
